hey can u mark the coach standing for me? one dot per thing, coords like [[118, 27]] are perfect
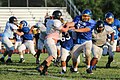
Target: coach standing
[[83, 26]]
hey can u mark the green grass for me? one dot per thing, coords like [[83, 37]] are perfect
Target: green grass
[[26, 71]]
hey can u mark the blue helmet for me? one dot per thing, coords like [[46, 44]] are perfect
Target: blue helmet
[[25, 24], [87, 11], [109, 15], [109, 18]]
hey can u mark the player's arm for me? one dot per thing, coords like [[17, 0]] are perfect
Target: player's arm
[[70, 24], [31, 30], [18, 32], [82, 29], [112, 36]]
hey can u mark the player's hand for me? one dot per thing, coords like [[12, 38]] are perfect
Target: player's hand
[[72, 28], [111, 42]]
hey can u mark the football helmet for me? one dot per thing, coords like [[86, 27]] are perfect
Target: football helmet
[[13, 20], [24, 23], [86, 15], [99, 26], [57, 14], [109, 18]]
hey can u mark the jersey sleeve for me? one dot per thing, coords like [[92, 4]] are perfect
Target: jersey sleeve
[[76, 19], [14, 27], [57, 24], [109, 29]]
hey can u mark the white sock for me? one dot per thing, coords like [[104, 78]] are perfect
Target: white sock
[[64, 68], [88, 66], [75, 69], [21, 56]]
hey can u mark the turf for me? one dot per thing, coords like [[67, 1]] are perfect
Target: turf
[[26, 70]]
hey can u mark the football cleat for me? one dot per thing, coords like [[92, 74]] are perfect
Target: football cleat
[[35, 55], [21, 60], [57, 61], [107, 65], [2, 60], [8, 61], [72, 70], [62, 72], [37, 61], [89, 71]]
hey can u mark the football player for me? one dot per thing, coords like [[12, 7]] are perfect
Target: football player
[[10, 28], [41, 37], [115, 24], [18, 38], [83, 25], [99, 35], [66, 47], [54, 27], [27, 41]]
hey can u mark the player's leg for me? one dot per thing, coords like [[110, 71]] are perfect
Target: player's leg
[[31, 47], [105, 50], [52, 51], [97, 53], [110, 58], [40, 46], [88, 48], [10, 47], [68, 59], [64, 54], [75, 53], [21, 50], [58, 60]]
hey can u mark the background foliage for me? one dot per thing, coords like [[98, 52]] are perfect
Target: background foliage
[[99, 7]]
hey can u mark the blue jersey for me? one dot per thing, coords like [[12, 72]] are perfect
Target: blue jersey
[[27, 35], [67, 41], [115, 25], [83, 36], [119, 34]]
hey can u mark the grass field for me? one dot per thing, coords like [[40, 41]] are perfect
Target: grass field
[[26, 71]]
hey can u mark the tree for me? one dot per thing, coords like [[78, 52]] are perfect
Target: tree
[[111, 6]]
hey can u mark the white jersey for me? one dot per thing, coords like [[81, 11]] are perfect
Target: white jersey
[[9, 28], [100, 38], [53, 28], [42, 29]]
